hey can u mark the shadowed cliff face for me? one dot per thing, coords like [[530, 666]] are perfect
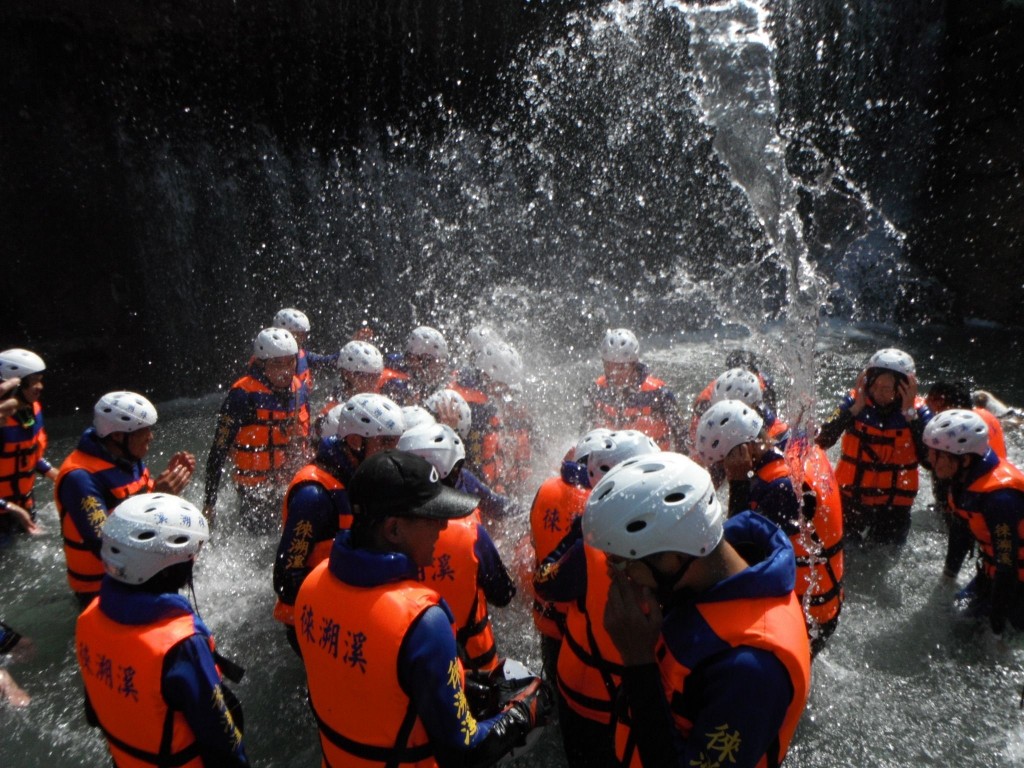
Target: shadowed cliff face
[[162, 163]]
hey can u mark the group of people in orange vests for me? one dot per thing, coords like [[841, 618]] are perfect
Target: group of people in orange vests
[[683, 576]]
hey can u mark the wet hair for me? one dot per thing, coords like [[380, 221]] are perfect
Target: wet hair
[[954, 394], [742, 358]]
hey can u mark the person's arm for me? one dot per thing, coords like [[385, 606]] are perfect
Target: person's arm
[[959, 545], [492, 576], [229, 421], [192, 685], [82, 501], [833, 428], [322, 361], [562, 576], [670, 412], [493, 506], [1002, 513], [312, 518]]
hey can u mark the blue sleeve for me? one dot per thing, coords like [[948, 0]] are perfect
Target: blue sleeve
[[43, 466], [492, 576], [744, 696], [192, 685], [778, 502], [1002, 513], [563, 574], [429, 672], [82, 500], [322, 361], [312, 518], [493, 506], [835, 424], [234, 412]]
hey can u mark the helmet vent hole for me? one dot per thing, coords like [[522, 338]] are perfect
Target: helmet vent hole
[[636, 526], [606, 491], [675, 498], [179, 540], [146, 535]]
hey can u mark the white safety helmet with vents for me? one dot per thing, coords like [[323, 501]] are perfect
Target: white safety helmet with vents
[[589, 442], [274, 342], [449, 407], [958, 431], [415, 415], [360, 357], [292, 320], [427, 342], [370, 415], [437, 443], [19, 363], [738, 384], [122, 412], [724, 426], [501, 363], [479, 336], [620, 345], [616, 447], [659, 502], [150, 532], [895, 360]]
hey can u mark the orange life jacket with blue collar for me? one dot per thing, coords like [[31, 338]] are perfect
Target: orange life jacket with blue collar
[[453, 574], [21, 449], [84, 566], [484, 452], [558, 502], [122, 668], [996, 439], [969, 504], [589, 664], [372, 721], [878, 464], [261, 448], [313, 552], [637, 410]]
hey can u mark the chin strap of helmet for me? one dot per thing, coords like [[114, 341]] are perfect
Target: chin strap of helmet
[[667, 581]]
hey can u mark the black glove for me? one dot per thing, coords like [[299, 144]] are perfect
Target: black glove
[[535, 701]]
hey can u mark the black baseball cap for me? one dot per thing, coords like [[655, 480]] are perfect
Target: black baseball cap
[[396, 483]]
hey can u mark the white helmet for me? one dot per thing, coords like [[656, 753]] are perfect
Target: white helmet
[[958, 431], [149, 532], [292, 320], [738, 384], [19, 363], [501, 363], [661, 502], [724, 426], [451, 408], [437, 443], [620, 346], [427, 342], [274, 342], [589, 442], [360, 357], [122, 412], [479, 336], [370, 415], [415, 415], [893, 360], [616, 448]]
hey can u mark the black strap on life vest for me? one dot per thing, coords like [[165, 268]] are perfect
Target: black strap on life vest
[[391, 756], [464, 634], [165, 758]]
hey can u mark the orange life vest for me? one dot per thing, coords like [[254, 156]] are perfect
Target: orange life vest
[[968, 504], [589, 664], [635, 413], [996, 439], [350, 639], [84, 566], [122, 667], [555, 506], [311, 552], [878, 467], [454, 575], [483, 445], [767, 623], [819, 545], [516, 436], [20, 450], [261, 448]]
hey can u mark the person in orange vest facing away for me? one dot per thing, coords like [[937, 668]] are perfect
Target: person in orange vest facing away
[[880, 423], [153, 679], [733, 435], [467, 570], [105, 469], [385, 681], [501, 378], [316, 504], [559, 501], [411, 377], [359, 365], [986, 493], [715, 659], [485, 450], [627, 396], [258, 427], [22, 441], [589, 667]]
